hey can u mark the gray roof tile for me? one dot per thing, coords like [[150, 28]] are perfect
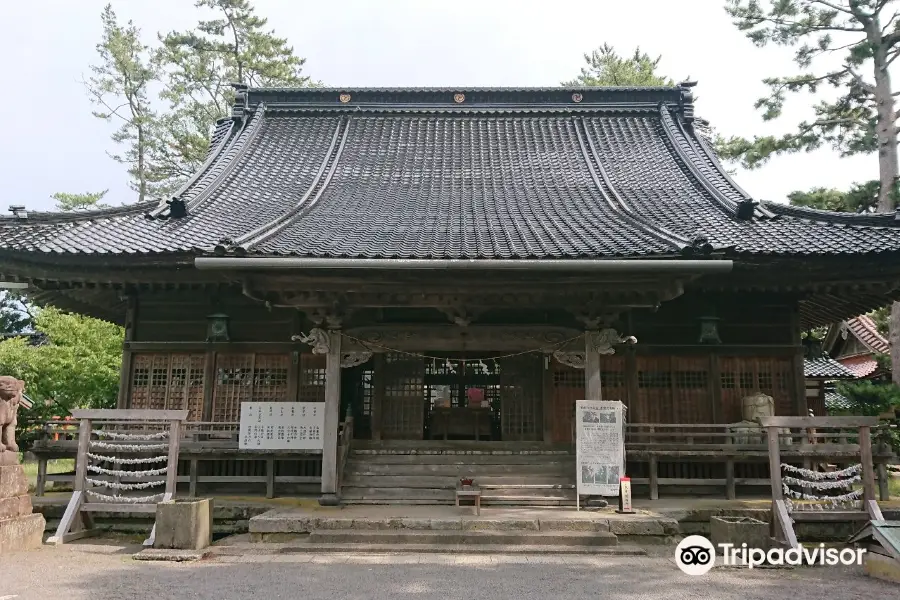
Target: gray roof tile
[[411, 173]]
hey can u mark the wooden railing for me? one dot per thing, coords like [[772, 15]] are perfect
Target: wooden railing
[[206, 442], [692, 449], [345, 439]]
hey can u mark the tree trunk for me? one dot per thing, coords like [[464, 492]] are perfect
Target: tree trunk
[[886, 133]]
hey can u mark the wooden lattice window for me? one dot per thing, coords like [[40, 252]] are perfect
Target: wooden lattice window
[[403, 406], [568, 387], [520, 397], [248, 378], [770, 375], [163, 381], [312, 378]]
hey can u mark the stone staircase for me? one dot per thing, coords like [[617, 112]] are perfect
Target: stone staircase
[[509, 473]]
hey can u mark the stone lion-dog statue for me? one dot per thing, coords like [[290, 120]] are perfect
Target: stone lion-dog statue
[[11, 390]]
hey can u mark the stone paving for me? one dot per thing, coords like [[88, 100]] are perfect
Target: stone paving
[[104, 570]]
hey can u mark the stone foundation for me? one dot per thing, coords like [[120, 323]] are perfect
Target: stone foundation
[[20, 529]]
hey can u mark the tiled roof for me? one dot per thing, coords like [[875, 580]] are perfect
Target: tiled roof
[[825, 367], [836, 402], [443, 173], [861, 366], [865, 330]]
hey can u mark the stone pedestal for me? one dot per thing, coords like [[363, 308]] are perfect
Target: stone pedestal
[[184, 524], [739, 530], [20, 529]]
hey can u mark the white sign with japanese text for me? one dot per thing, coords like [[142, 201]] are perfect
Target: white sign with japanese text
[[600, 447], [281, 425]]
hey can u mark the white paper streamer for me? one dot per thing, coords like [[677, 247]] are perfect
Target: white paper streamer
[[819, 475], [118, 473], [128, 447], [118, 485], [821, 485], [127, 461], [113, 435], [126, 499]]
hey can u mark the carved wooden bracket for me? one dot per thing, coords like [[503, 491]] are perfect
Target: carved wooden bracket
[[573, 359], [317, 338], [603, 341], [353, 359]]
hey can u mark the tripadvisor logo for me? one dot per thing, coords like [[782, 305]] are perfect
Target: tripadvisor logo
[[696, 555]]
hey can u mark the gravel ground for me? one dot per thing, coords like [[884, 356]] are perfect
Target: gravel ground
[[101, 570]]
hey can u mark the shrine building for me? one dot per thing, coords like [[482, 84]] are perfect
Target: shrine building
[[449, 270]]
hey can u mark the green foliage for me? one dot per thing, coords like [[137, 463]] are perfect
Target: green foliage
[[882, 317], [871, 399], [69, 202], [198, 68], [607, 68], [78, 366], [833, 40], [119, 86], [860, 198]]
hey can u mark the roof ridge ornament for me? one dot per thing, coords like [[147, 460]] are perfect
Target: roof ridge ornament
[[686, 102], [241, 104]]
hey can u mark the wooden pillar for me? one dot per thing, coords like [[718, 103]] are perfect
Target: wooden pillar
[[801, 408], [377, 395], [715, 389], [332, 419], [124, 397], [592, 385], [547, 399]]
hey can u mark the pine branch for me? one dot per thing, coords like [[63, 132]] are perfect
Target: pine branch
[[836, 7], [868, 87]]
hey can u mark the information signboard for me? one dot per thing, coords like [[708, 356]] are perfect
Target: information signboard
[[600, 447], [281, 425]]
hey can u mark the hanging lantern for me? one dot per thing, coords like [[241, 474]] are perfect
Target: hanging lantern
[[709, 330], [217, 328]]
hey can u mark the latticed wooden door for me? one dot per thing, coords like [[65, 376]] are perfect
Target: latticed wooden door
[[743, 376], [403, 404], [246, 378], [521, 390], [568, 386], [168, 381]]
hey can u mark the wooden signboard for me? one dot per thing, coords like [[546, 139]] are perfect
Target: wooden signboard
[[282, 425], [600, 447]]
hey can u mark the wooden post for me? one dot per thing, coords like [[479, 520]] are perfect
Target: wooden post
[[41, 482], [865, 457], [172, 462], [270, 477], [801, 408], [884, 492], [654, 478], [378, 395], [547, 399], [332, 418], [124, 398], [730, 490], [715, 389], [592, 386], [209, 385], [192, 479]]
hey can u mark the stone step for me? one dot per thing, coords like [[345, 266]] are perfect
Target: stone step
[[463, 459], [512, 538], [258, 548], [362, 467], [449, 446], [355, 479]]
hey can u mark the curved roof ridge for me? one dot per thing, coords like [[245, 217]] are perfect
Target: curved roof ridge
[[334, 157], [125, 210], [865, 330], [211, 158], [240, 142], [830, 216], [669, 124], [463, 88], [269, 228], [717, 165], [589, 151]]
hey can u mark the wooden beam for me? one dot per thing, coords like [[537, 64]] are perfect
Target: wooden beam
[[819, 422], [378, 395], [130, 414], [124, 398], [332, 419]]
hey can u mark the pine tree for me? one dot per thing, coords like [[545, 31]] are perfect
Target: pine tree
[[119, 86], [69, 202], [199, 67], [607, 68]]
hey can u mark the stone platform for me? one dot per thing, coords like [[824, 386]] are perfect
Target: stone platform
[[19, 528], [412, 528]]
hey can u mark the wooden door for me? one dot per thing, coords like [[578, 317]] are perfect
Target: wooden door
[[403, 403], [521, 390]]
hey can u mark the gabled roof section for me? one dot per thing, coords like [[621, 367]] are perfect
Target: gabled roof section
[[825, 367], [866, 331], [447, 173]]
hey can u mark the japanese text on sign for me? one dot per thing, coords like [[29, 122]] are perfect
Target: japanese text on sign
[[281, 425], [600, 447]]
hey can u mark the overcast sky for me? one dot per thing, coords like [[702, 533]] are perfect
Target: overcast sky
[[51, 143]]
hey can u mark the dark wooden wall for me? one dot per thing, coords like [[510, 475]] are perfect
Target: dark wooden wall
[[668, 377]]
